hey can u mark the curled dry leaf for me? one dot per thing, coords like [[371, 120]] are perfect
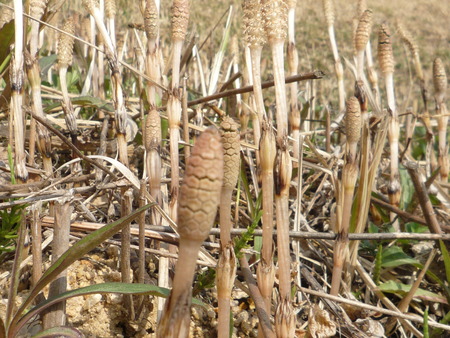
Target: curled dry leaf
[[320, 323]]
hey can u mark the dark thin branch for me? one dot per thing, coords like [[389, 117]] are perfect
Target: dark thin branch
[[295, 78]]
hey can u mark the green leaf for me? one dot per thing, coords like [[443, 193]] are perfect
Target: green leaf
[[85, 101], [60, 331], [416, 228], [7, 34], [75, 252], [426, 333], [446, 257], [394, 256], [46, 62], [402, 289]]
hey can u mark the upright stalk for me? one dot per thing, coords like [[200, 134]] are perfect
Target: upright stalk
[[284, 315], [226, 266], [255, 38], [292, 56], [328, 9], [386, 61], [362, 36], [349, 177], [16, 79], [65, 56], [56, 315], [36, 10], [180, 20], [440, 89], [275, 24], [199, 198], [266, 271]]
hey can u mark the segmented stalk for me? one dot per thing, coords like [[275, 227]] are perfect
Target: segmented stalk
[[411, 44], [16, 81], [180, 20], [292, 56], [349, 177], [328, 10], [275, 24], [284, 318], [116, 79], [226, 266], [386, 62], [254, 35], [361, 39], [199, 198], [440, 89], [110, 13], [65, 56], [266, 271]]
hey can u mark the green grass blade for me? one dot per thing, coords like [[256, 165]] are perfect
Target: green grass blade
[[75, 252], [446, 257], [122, 288]]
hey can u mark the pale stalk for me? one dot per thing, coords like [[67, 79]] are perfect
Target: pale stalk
[[280, 87], [266, 271], [284, 316], [36, 10], [177, 312], [199, 198], [226, 267], [349, 176], [174, 114], [386, 61], [372, 73], [292, 56], [56, 315], [16, 79], [125, 266], [255, 53], [43, 140], [329, 16]]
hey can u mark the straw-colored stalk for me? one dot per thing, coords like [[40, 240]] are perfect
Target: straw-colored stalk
[[110, 13], [199, 198], [152, 143], [116, 79], [266, 271], [386, 62], [16, 80], [411, 44], [43, 137], [255, 37], [125, 254], [152, 64], [56, 315], [275, 24], [440, 89], [226, 266], [65, 57], [36, 10], [284, 318], [180, 20], [361, 39], [328, 9], [292, 56], [349, 177]]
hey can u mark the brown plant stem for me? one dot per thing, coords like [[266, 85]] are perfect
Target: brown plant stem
[[56, 315], [266, 84], [263, 316]]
